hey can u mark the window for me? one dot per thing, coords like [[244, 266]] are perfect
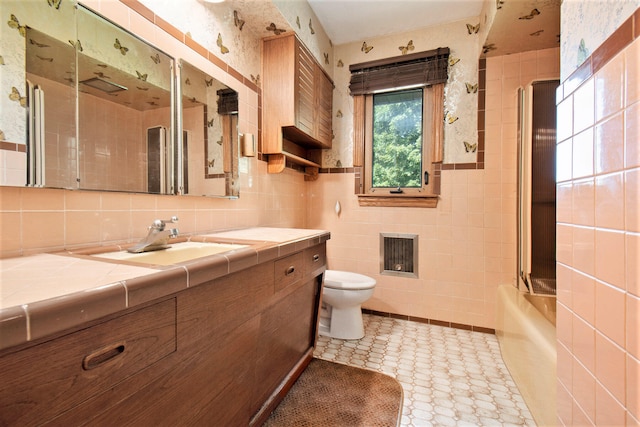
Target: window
[[395, 153], [398, 128]]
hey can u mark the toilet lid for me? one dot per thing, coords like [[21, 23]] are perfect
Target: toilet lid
[[347, 280]]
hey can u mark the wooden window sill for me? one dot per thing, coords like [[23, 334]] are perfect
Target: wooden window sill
[[399, 200]]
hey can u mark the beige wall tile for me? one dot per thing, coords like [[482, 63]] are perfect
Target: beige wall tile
[[605, 280], [584, 385], [43, 229], [609, 145], [632, 200], [611, 323], [583, 202], [584, 294], [610, 257], [609, 201], [10, 233], [609, 411], [610, 368], [584, 341], [34, 199], [633, 391], [583, 249], [609, 88], [632, 263], [584, 97], [583, 154]]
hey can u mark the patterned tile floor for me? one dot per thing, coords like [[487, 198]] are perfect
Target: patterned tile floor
[[450, 377]]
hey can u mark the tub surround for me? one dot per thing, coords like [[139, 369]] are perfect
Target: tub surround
[[598, 225], [45, 294], [527, 338]]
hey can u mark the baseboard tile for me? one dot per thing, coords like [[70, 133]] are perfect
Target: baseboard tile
[[430, 321]]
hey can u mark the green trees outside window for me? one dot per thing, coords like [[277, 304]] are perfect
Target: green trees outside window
[[397, 139]]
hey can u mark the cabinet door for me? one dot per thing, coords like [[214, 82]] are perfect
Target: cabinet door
[[324, 105], [305, 93], [48, 379], [287, 331]]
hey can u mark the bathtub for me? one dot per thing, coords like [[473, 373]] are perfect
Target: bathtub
[[525, 327]]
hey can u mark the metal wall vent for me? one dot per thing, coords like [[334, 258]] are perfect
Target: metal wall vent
[[399, 254]]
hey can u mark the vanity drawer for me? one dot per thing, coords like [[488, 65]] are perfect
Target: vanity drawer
[[315, 258], [288, 270], [45, 380]]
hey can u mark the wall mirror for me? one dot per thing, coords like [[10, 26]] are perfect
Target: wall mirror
[[124, 111], [209, 140], [120, 138], [102, 109]]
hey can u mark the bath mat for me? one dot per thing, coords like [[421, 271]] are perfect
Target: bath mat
[[335, 395]]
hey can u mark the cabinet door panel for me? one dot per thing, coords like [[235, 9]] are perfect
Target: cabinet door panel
[[324, 101], [43, 381], [305, 93], [287, 331], [209, 388]]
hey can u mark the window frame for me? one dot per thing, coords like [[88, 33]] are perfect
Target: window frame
[[427, 166], [432, 143]]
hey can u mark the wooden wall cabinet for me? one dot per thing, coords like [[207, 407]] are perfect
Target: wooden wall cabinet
[[221, 353], [297, 104]]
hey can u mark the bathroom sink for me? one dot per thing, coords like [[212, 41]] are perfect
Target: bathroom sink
[[178, 252]]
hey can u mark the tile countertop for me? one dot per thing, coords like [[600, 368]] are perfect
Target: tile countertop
[[44, 294]]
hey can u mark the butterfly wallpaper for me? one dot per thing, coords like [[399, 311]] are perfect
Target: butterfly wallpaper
[[535, 25], [200, 97], [588, 25], [17, 17], [461, 106]]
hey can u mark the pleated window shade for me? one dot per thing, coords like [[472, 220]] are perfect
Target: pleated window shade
[[416, 69], [227, 101]]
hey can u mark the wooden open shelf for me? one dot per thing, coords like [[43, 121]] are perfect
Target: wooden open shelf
[[277, 163]]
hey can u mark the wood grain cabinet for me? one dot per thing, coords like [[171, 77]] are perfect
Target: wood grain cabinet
[[44, 381], [221, 353], [297, 104]]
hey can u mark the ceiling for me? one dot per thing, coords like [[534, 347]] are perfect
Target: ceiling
[[348, 21], [524, 25], [518, 26]]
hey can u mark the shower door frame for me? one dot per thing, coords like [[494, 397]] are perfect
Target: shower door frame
[[524, 186]]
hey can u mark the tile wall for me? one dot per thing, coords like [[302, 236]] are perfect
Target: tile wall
[[114, 144], [598, 230], [36, 220], [467, 245]]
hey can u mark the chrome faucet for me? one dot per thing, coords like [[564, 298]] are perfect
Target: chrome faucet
[[157, 238]]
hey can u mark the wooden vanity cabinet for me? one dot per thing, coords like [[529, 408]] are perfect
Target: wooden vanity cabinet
[[297, 103], [221, 353], [44, 381]]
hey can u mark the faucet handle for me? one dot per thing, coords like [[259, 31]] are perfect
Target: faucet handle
[[159, 224]]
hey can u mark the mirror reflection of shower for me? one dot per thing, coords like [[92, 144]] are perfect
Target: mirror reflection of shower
[[537, 187], [160, 158]]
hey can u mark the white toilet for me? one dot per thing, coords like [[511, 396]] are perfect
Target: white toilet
[[342, 295]]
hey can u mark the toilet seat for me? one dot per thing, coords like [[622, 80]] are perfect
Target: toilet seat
[[346, 280]]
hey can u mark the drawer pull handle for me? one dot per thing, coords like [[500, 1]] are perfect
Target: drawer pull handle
[[102, 356], [289, 270], [316, 258]]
